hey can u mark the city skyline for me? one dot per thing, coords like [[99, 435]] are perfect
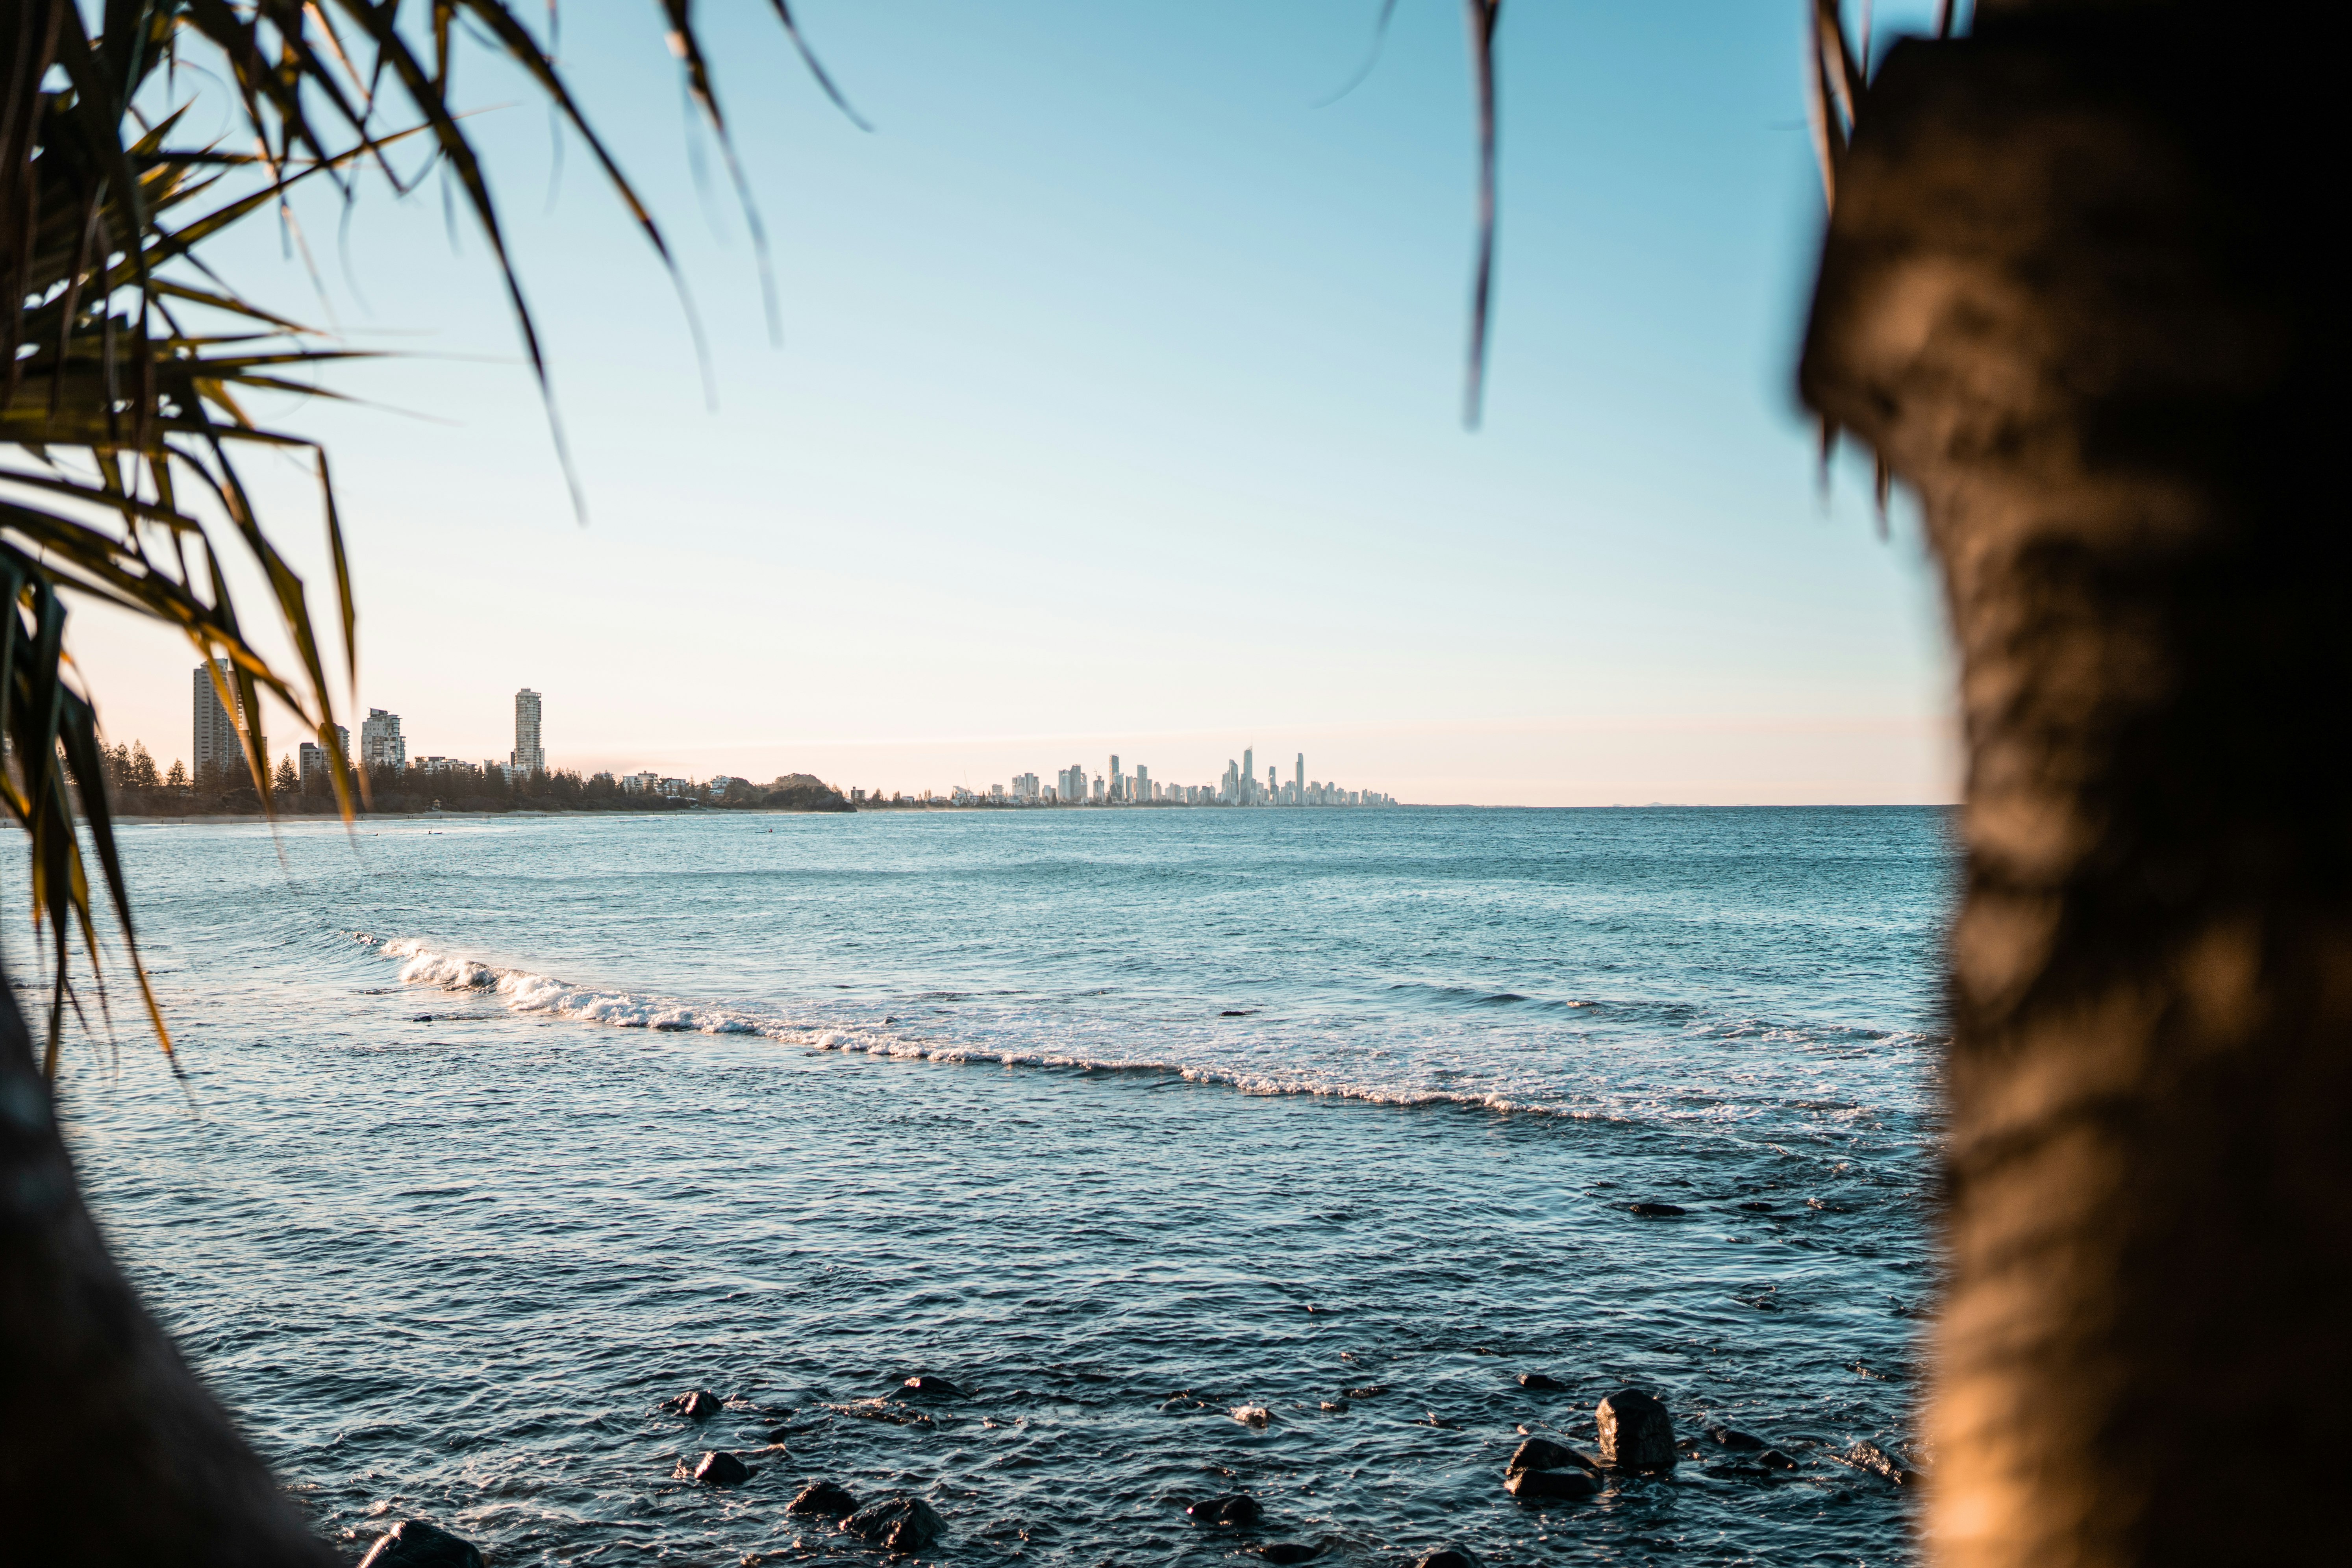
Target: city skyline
[[1116, 785], [383, 743]]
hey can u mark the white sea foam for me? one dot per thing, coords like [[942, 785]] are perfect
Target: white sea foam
[[525, 992]]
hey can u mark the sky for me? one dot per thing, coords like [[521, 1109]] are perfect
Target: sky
[[1116, 409]]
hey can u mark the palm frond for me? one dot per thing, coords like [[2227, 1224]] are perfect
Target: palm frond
[[1482, 15]]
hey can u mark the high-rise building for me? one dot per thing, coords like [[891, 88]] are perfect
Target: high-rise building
[[527, 756], [1300, 798], [215, 751], [314, 757], [1249, 775], [381, 745], [1118, 784], [1142, 792]]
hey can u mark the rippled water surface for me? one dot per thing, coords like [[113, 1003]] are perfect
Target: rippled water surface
[[500, 1131]]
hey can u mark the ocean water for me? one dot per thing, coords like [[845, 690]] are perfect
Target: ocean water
[[498, 1133]]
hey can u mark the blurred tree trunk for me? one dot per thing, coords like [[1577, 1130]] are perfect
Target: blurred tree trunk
[[111, 1451], [2073, 293]]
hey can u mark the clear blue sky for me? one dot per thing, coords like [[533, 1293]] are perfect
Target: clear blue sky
[[1117, 411]]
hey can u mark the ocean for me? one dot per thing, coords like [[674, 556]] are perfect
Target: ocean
[[498, 1132]]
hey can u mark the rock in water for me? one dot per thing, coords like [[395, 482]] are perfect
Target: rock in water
[[1541, 1383], [1252, 1415], [1543, 1454], [1238, 1512], [1732, 1437], [895, 1524], [699, 1406], [1550, 1485], [823, 1500], [413, 1543], [1879, 1462], [1445, 1557], [1636, 1433], [1287, 1552], [924, 1384], [1656, 1211], [1773, 1459], [719, 1469]]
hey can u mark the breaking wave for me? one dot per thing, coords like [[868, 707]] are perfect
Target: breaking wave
[[1731, 1114]]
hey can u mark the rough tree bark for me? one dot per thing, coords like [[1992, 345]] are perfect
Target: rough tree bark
[[2073, 293], [111, 1451]]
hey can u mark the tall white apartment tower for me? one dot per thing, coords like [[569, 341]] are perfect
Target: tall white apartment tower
[[528, 758], [381, 744], [216, 747], [1249, 775], [1301, 797]]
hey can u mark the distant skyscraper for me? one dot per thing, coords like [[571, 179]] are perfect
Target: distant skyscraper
[[1249, 774], [528, 757], [215, 749], [314, 757], [1300, 798], [381, 744]]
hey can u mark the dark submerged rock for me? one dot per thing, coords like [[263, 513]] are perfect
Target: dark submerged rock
[[1773, 1459], [1289, 1551], [1370, 1391], [722, 1469], [1445, 1557], [699, 1406], [1543, 1454], [897, 1523], [1550, 1485], [1732, 1437], [1541, 1383], [414, 1543], [931, 1387], [1238, 1512], [1758, 1208], [1636, 1433], [1656, 1211], [823, 1500]]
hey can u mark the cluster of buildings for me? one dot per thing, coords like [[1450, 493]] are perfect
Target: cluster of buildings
[[1240, 786], [381, 745]]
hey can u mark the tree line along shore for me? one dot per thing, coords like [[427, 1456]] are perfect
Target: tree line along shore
[[137, 788]]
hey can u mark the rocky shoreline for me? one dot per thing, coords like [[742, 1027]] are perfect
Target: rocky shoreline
[[1635, 1442]]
